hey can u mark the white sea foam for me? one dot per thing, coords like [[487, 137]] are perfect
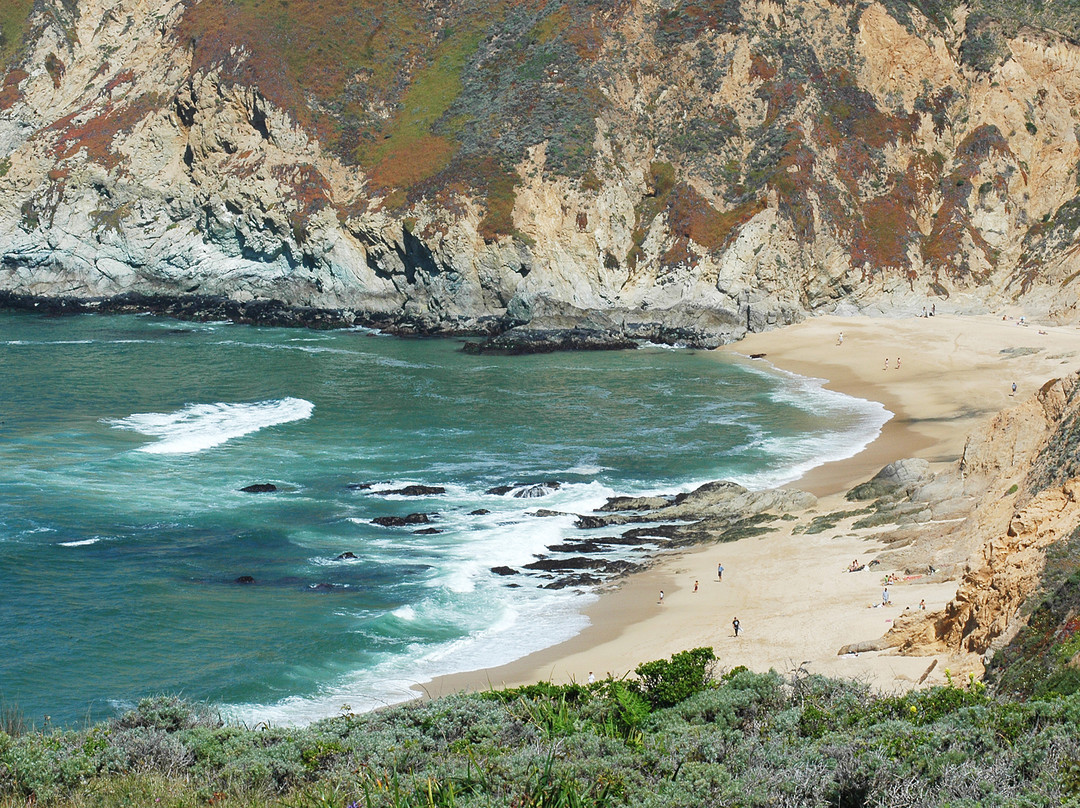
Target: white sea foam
[[201, 426], [81, 543], [534, 621]]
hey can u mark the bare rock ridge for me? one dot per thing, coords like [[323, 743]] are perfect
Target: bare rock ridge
[[587, 173], [1019, 477]]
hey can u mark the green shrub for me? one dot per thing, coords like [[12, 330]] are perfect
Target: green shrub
[[667, 682]]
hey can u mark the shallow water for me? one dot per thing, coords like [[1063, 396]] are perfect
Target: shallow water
[[125, 441]]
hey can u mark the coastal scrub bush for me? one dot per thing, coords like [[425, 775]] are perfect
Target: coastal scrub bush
[[667, 682]]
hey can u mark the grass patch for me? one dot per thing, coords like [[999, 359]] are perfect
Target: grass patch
[[408, 151], [14, 24]]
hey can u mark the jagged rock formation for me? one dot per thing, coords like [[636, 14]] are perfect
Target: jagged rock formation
[[652, 169], [1020, 473]]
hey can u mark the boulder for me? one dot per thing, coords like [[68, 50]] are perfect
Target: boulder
[[538, 490], [348, 555], [427, 531], [899, 477], [504, 570], [634, 504], [479, 512], [259, 488]]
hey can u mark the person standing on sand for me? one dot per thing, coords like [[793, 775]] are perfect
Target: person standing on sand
[[591, 677], [661, 601], [898, 363], [735, 625], [886, 363], [1014, 388], [840, 339], [695, 585], [885, 599], [719, 572]]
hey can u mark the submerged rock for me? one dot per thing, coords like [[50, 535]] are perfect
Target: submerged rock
[[479, 512], [402, 521], [427, 531], [359, 486], [416, 491], [259, 488], [244, 579], [538, 490], [504, 570], [348, 555]]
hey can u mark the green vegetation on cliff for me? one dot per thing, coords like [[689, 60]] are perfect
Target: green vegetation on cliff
[[676, 736]]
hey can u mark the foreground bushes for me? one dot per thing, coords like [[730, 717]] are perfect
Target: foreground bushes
[[675, 736]]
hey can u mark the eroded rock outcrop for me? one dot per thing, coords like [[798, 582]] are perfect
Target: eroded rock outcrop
[[1019, 512]]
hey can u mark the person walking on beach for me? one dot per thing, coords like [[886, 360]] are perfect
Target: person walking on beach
[[885, 599], [695, 585], [661, 597], [719, 572], [1014, 388], [735, 625], [840, 339], [886, 363], [898, 363]]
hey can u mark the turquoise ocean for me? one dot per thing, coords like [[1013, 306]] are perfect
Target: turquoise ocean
[[125, 441]]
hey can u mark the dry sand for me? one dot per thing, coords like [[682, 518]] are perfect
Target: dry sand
[[794, 599]]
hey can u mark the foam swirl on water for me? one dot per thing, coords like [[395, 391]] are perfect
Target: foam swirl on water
[[202, 426]]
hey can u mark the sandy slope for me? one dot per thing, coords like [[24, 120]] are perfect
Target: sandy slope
[[791, 592]]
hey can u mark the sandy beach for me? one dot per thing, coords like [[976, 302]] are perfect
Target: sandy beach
[[941, 376]]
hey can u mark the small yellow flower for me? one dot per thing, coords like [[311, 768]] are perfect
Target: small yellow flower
[[914, 709]]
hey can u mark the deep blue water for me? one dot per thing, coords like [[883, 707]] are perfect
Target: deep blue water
[[124, 441]]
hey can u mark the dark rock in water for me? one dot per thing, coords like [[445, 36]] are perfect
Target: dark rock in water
[[427, 531], [572, 563], [544, 513], [757, 356], [347, 555], [504, 570], [579, 547], [259, 488], [589, 522], [359, 486], [401, 521], [538, 490], [512, 586], [416, 491], [581, 579], [479, 512], [500, 490], [321, 587], [519, 341], [244, 579]]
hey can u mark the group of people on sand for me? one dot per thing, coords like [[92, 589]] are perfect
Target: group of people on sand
[[719, 578], [887, 363]]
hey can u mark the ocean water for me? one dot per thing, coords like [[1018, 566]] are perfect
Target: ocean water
[[125, 441]]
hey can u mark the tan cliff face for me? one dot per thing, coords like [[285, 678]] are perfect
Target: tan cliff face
[[1018, 511], [731, 167]]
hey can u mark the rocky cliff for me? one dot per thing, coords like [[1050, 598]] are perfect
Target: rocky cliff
[[1018, 487], [662, 169]]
